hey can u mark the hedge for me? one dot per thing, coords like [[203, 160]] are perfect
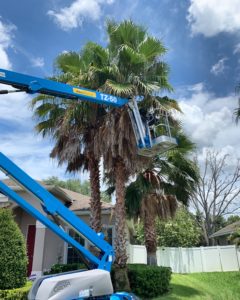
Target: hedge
[[16, 294], [149, 281], [145, 281]]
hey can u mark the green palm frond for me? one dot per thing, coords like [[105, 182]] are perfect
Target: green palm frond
[[126, 33], [151, 48], [169, 103], [94, 54], [68, 62], [159, 72], [130, 56], [118, 89]]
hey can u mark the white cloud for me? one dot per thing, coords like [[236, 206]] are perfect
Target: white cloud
[[210, 17], [4, 59], [38, 62], [219, 67], [21, 143], [73, 16], [209, 121], [6, 35], [236, 49]]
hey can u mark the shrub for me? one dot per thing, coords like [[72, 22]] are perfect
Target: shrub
[[145, 281], [149, 281], [13, 258], [60, 268], [19, 294]]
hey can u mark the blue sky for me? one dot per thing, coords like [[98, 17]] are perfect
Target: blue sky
[[203, 41]]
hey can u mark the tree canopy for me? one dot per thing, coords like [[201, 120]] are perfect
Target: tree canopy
[[181, 231]]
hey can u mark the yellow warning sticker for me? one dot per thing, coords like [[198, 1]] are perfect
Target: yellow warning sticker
[[84, 92]]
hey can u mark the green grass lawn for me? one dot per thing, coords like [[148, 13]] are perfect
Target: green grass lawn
[[206, 286]]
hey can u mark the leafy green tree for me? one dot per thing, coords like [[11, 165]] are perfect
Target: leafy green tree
[[181, 231], [70, 184], [232, 219], [235, 238], [75, 186], [13, 258]]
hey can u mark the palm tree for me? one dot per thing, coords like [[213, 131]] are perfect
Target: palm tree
[[130, 66], [73, 124], [135, 70], [155, 192]]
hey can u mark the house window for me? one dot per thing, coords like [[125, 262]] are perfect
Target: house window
[[73, 255]]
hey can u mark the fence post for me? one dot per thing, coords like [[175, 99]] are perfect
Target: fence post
[[237, 249], [180, 260], [220, 259], [203, 259]]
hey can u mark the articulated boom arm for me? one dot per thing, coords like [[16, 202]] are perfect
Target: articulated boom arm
[[150, 140], [53, 207], [31, 85]]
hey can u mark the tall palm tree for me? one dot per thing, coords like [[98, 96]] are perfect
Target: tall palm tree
[[72, 123], [136, 70], [156, 190]]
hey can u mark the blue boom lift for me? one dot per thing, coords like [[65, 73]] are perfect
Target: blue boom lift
[[96, 282]]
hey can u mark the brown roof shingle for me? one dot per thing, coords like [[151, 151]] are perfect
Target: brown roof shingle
[[229, 229], [82, 202], [78, 202]]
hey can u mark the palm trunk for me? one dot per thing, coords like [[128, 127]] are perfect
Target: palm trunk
[[121, 277], [150, 238], [95, 202]]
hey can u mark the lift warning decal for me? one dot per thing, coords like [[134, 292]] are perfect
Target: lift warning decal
[[84, 92]]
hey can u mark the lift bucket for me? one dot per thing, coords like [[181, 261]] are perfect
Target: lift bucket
[[152, 131]]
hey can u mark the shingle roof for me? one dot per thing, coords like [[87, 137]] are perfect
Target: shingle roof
[[75, 201], [229, 229], [82, 202]]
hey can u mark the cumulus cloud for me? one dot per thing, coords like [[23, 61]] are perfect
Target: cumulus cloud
[[219, 67], [6, 35], [18, 138], [38, 62], [213, 17], [72, 16], [209, 121]]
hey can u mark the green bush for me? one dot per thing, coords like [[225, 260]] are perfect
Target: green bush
[[181, 231], [13, 257], [16, 294], [149, 281], [60, 268], [145, 281]]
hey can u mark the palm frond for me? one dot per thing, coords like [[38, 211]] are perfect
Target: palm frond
[[151, 48], [118, 89], [68, 62]]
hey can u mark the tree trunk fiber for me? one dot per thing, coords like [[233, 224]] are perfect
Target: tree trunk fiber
[[120, 274], [95, 202], [150, 238]]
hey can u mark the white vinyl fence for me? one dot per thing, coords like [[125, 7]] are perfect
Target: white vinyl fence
[[190, 260]]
